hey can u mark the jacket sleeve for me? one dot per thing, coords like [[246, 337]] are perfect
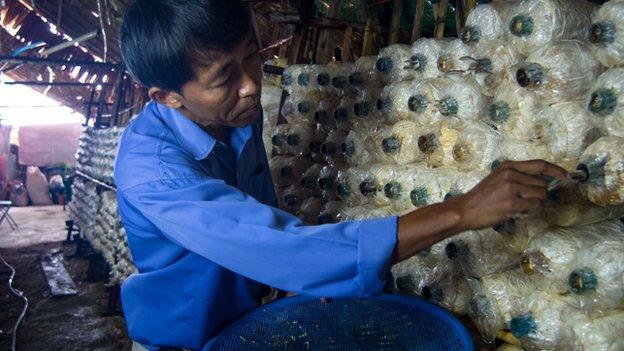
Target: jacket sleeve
[[232, 229]]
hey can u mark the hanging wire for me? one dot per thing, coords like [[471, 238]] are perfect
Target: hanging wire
[[20, 295], [104, 36]]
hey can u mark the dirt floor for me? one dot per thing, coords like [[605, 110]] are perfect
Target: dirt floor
[[78, 322]]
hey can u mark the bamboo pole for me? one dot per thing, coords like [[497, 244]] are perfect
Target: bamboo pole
[[418, 17], [395, 24], [347, 44], [440, 16], [367, 42]]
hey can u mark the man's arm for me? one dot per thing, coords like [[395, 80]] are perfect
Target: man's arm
[[514, 188]]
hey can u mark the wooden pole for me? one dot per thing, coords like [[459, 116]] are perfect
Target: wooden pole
[[347, 44], [418, 17], [367, 42], [440, 16], [395, 23], [460, 16], [325, 47]]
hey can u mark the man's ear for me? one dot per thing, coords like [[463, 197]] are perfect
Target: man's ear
[[168, 98]]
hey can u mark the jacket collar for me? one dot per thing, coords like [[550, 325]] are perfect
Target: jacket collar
[[192, 137]]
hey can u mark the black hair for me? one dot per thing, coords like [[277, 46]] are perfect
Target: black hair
[[163, 40]]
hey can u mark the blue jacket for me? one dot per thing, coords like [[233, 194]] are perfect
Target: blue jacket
[[207, 239]]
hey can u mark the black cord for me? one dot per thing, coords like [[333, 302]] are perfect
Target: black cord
[[20, 295]]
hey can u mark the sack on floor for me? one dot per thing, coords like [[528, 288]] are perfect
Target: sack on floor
[[19, 194], [37, 186]]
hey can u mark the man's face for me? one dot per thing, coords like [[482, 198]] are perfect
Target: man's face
[[226, 91]]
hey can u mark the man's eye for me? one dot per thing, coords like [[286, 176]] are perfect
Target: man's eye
[[224, 83]]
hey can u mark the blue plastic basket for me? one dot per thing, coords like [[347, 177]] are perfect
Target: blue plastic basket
[[389, 322]]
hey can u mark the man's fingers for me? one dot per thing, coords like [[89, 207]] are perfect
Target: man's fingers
[[538, 167], [524, 178], [530, 191]]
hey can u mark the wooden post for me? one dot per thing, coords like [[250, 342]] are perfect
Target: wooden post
[[254, 26], [367, 41], [469, 5], [418, 17], [395, 24], [460, 17], [440, 17], [346, 45], [325, 53]]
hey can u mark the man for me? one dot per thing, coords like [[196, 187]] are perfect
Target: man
[[197, 201]]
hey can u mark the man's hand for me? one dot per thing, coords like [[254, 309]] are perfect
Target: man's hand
[[513, 188]]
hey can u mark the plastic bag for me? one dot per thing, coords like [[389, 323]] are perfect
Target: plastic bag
[[567, 207], [597, 278], [496, 299], [604, 162], [536, 23], [398, 144], [309, 180], [365, 107], [423, 102], [302, 107], [399, 189], [476, 147], [606, 100], [516, 233], [392, 63], [607, 33], [348, 186], [551, 256], [324, 115], [332, 147], [310, 210], [464, 182], [364, 185], [355, 148], [329, 213], [343, 113], [340, 77], [487, 22], [436, 143], [291, 199], [304, 78], [540, 323], [567, 129], [425, 55], [602, 333], [290, 77], [480, 253], [298, 138], [559, 72], [327, 182], [374, 186], [512, 109], [460, 101], [452, 56], [515, 150], [360, 213], [19, 194], [393, 103], [320, 135], [509, 347], [492, 65], [287, 170], [365, 74], [37, 186]]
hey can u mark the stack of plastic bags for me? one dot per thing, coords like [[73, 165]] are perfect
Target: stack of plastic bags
[[94, 208], [529, 79]]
